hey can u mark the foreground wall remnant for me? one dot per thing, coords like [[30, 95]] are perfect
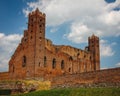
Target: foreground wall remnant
[[101, 78]]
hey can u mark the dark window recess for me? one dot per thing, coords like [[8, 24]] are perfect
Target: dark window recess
[[39, 64], [45, 60], [40, 25], [54, 63], [90, 57], [70, 58], [84, 56], [69, 69], [32, 19], [78, 54], [24, 61], [31, 37], [25, 39], [62, 64], [40, 20], [40, 37]]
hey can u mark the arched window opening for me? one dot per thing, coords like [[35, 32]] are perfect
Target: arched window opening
[[24, 61], [45, 60], [39, 64], [70, 58], [54, 63], [62, 64], [78, 54], [69, 69]]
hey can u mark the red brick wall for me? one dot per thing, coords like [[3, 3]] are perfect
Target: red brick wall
[[4, 75], [103, 76]]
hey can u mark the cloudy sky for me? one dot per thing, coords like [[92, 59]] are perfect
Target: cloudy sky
[[68, 22]]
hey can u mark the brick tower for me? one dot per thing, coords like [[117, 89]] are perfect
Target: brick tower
[[36, 30], [29, 55], [95, 52]]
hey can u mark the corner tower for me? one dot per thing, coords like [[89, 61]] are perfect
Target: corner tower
[[36, 30], [95, 52], [29, 55]]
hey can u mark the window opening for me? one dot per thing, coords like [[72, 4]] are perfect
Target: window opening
[[54, 63]]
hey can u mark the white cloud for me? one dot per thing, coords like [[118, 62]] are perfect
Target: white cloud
[[111, 6], [104, 68], [118, 64], [61, 11], [41, 4], [53, 30], [26, 12], [106, 49], [79, 33], [8, 43], [97, 15], [111, 18], [86, 17]]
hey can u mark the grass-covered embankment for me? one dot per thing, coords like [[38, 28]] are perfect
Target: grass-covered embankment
[[77, 92]]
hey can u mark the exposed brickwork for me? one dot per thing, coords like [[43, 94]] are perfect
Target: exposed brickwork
[[108, 76], [37, 57], [4, 75]]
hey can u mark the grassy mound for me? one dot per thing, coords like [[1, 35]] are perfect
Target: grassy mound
[[76, 92]]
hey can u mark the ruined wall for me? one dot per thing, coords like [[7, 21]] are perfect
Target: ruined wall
[[107, 76], [4, 76], [36, 56]]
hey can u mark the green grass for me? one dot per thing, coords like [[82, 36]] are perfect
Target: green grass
[[76, 92]]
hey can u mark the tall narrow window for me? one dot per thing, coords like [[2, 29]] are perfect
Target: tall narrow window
[[62, 64], [40, 26], [24, 61], [45, 60], [70, 58], [54, 63], [69, 69], [39, 64]]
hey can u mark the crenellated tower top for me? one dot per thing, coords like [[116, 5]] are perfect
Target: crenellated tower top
[[37, 12], [94, 49]]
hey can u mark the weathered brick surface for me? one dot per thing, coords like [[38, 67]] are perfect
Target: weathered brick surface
[[4, 75], [110, 77], [36, 56]]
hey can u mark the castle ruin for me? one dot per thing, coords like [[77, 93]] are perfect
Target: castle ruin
[[36, 56]]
